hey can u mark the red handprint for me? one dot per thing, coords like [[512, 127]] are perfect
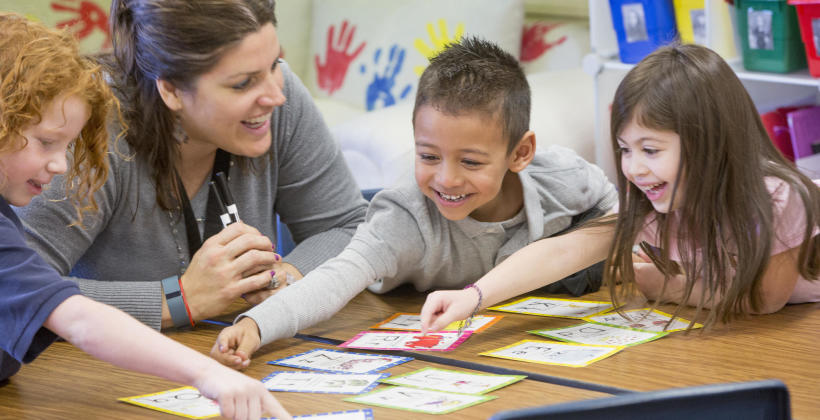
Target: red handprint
[[90, 16], [427, 341], [532, 40], [331, 75]]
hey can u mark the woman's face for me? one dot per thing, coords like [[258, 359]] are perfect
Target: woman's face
[[230, 106]]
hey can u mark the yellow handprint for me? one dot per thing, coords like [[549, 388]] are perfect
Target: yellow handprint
[[438, 42]]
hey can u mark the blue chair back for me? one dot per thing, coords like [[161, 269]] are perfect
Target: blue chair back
[[763, 400]]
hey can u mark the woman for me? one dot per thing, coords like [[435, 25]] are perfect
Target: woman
[[203, 91]]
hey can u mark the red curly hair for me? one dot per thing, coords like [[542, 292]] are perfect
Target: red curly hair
[[37, 65]]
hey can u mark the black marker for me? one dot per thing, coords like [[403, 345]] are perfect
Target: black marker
[[224, 216], [227, 196]]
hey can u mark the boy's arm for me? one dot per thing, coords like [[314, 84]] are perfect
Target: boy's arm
[[115, 337], [536, 265]]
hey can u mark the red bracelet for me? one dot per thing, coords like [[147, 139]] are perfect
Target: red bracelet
[[185, 301]]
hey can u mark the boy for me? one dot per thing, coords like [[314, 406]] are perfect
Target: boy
[[481, 192]]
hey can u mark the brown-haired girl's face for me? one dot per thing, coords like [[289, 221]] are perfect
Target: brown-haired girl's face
[[230, 106], [23, 173], [650, 160]]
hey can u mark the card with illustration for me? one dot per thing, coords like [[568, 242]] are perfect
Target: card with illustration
[[643, 319], [421, 400], [329, 360], [412, 322], [406, 340], [554, 353], [185, 402], [453, 381], [600, 334], [322, 382], [564, 308], [362, 414]]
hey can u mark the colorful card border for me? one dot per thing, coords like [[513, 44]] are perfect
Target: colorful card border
[[656, 336], [482, 399], [502, 309], [130, 400], [615, 349], [684, 320], [464, 335], [368, 414], [398, 360], [309, 372], [512, 379], [455, 324]]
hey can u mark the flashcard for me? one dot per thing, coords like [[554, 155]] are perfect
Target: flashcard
[[363, 414], [600, 334], [322, 382], [406, 340], [329, 360], [643, 319], [412, 322], [453, 381], [554, 353], [185, 402], [421, 400], [564, 308]]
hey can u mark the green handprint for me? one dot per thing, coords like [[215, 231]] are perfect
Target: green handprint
[[438, 42]]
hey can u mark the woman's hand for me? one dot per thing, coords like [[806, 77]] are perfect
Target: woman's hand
[[219, 271], [285, 274], [446, 306]]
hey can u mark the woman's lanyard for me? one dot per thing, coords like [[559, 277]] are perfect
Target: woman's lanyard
[[222, 163]]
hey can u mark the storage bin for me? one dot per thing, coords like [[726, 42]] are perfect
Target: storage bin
[[770, 36], [690, 16], [808, 14], [642, 26]]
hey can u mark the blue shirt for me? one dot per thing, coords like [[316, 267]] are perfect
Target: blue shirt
[[30, 289]]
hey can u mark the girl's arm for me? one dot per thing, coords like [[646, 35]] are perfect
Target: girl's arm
[[115, 337], [536, 265], [776, 285]]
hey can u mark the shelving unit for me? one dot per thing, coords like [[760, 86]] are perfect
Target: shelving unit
[[768, 90]]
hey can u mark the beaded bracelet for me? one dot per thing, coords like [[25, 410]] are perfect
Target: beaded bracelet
[[469, 321]]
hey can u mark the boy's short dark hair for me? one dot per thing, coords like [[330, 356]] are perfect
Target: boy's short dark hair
[[475, 75]]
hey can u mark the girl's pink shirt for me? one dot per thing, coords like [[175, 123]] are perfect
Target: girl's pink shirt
[[790, 225]]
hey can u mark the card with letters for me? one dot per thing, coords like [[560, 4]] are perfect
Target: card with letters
[[406, 340], [322, 382], [362, 414], [563, 308], [600, 334], [453, 381], [185, 402], [420, 400], [329, 360], [643, 319], [412, 322], [554, 353]]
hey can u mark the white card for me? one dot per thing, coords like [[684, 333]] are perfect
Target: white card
[[643, 319], [185, 402], [328, 360], [600, 334], [362, 414], [322, 382], [422, 400], [453, 381], [554, 353], [406, 340], [564, 308], [412, 322]]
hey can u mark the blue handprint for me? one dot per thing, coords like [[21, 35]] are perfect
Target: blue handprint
[[380, 89]]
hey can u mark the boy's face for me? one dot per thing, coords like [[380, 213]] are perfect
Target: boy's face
[[649, 160], [23, 173], [461, 163]]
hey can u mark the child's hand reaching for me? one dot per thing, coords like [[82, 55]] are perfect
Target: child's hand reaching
[[235, 344], [239, 396], [446, 306]]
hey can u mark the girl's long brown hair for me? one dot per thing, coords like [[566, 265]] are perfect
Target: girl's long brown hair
[[38, 65], [725, 211], [177, 41]]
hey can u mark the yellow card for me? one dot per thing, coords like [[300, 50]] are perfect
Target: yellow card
[[184, 402]]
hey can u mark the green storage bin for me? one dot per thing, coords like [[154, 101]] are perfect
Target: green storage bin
[[770, 35]]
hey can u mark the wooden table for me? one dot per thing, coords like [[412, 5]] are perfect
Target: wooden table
[[67, 383], [784, 346]]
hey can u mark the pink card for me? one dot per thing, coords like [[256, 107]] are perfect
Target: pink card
[[406, 340]]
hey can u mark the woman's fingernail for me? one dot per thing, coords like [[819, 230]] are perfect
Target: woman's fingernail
[[278, 257], [273, 274]]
